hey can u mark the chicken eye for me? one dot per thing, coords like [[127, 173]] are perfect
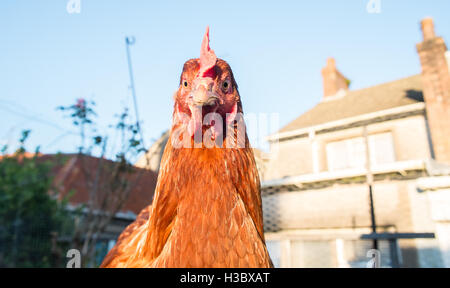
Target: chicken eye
[[225, 84], [185, 83]]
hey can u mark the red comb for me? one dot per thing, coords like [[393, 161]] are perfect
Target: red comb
[[207, 58]]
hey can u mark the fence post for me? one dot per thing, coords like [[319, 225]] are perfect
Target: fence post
[[393, 250]]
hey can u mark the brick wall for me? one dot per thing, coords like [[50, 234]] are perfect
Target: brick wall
[[436, 86]]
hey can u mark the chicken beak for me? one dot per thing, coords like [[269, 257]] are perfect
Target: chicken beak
[[201, 95]]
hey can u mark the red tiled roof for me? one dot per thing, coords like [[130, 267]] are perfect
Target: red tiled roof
[[69, 176]]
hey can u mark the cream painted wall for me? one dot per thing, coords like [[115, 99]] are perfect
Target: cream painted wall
[[294, 157]]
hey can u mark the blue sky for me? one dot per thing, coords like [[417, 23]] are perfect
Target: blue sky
[[49, 57]]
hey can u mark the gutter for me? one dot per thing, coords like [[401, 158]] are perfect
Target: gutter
[[433, 183], [119, 215], [399, 166]]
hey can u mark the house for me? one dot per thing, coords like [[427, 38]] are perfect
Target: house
[[393, 139]]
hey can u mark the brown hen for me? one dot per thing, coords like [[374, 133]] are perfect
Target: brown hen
[[207, 209]]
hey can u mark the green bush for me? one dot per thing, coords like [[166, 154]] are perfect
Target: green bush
[[31, 220]]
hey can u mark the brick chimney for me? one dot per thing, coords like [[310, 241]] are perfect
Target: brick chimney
[[436, 89], [333, 80]]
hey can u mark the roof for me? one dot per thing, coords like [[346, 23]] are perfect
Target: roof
[[354, 103], [68, 176]]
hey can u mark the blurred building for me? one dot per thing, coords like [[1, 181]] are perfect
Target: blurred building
[[152, 158], [69, 178], [315, 191]]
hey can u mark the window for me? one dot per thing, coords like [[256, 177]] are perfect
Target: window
[[351, 153], [381, 148]]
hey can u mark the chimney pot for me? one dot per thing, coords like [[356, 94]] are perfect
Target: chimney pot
[[333, 80], [428, 28], [331, 63]]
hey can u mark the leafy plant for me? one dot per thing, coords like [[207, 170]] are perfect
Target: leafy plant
[[108, 183], [31, 220]]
